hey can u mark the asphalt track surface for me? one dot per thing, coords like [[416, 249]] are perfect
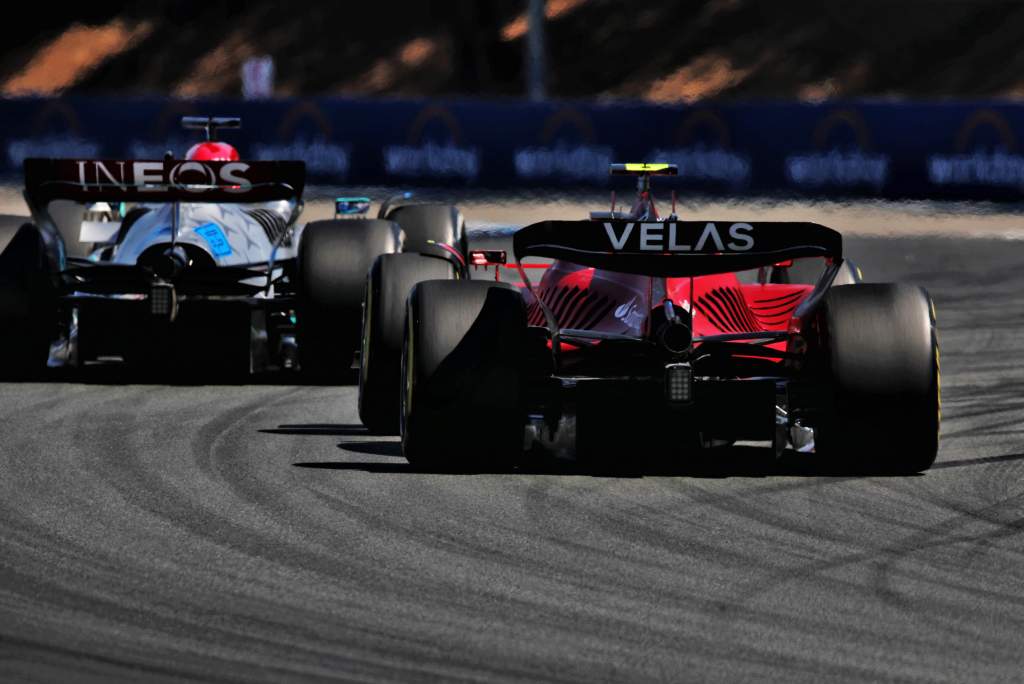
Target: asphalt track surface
[[257, 533]]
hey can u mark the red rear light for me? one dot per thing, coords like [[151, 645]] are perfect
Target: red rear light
[[487, 257]]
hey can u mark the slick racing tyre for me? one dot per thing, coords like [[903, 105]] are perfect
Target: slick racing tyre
[[390, 280], [28, 299], [463, 365], [883, 358], [423, 223], [333, 259]]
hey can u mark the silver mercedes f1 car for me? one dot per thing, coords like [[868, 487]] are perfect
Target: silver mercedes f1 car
[[199, 263]]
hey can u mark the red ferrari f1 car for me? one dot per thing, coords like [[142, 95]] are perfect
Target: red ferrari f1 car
[[653, 333]]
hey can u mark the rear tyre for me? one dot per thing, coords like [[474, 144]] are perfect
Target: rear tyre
[[333, 259], [390, 280], [463, 366], [883, 356], [28, 299]]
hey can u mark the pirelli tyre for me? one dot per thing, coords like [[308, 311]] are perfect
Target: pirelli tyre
[[333, 260], [463, 366], [426, 225], [28, 302], [883, 363], [388, 284]]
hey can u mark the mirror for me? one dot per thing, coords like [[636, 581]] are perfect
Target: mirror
[[351, 206], [487, 257], [101, 222]]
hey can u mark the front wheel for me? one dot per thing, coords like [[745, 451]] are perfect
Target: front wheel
[[425, 226], [390, 280], [883, 359]]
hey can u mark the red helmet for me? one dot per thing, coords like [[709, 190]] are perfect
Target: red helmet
[[212, 151]]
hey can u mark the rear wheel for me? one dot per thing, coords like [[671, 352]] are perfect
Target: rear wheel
[[333, 260], [28, 299], [883, 357], [463, 366], [390, 280]]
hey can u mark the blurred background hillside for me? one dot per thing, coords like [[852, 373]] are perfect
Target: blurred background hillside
[[658, 50]]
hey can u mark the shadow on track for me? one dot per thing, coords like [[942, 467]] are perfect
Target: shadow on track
[[324, 429], [965, 462], [737, 461], [117, 373], [375, 448]]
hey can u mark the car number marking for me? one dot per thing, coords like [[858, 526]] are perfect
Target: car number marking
[[215, 238]]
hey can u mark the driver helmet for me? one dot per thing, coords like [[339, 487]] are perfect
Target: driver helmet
[[212, 151]]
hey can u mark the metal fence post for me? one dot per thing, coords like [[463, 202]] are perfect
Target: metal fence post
[[536, 69]]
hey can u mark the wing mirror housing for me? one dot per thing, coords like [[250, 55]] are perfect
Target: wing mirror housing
[[488, 257], [351, 206], [101, 222]]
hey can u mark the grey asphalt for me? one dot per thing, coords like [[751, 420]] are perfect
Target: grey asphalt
[[257, 533]]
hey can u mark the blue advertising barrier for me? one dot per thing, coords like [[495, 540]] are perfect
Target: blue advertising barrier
[[955, 150]]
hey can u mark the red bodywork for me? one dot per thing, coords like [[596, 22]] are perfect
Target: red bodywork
[[585, 298], [591, 299]]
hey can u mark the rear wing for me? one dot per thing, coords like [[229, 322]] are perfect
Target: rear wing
[[96, 180], [675, 248], [210, 124]]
